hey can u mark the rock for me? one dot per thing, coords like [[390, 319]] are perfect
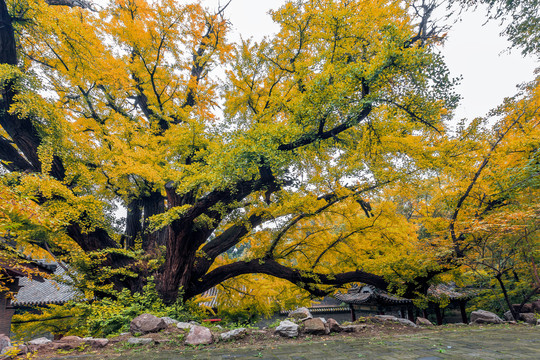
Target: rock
[[423, 321], [508, 316], [146, 323], [39, 341], [355, 328], [169, 321], [485, 317], [533, 307], [386, 317], [184, 325], [315, 326], [529, 318], [333, 325], [5, 342], [66, 343], [287, 328], [199, 335], [405, 322], [59, 345], [71, 339], [98, 343], [526, 308], [233, 334], [300, 314], [538, 322], [139, 341]]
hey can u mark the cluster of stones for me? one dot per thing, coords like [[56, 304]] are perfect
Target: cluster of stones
[[141, 326], [65, 343], [197, 334], [302, 321], [529, 316], [528, 313]]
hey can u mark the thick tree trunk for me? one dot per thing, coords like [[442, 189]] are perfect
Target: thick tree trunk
[[180, 259], [8, 52], [153, 205], [133, 223]]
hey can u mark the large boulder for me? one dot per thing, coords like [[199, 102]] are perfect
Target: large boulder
[[333, 325], [383, 318], [184, 325], [533, 307], [199, 335], [169, 320], [485, 317], [508, 316], [356, 327], [66, 343], [287, 328], [526, 308], [96, 342], [315, 326], [147, 323], [233, 334], [423, 322], [405, 322], [4, 343], [39, 341], [300, 314], [529, 318], [391, 318]]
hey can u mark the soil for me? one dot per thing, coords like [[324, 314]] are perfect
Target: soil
[[172, 339]]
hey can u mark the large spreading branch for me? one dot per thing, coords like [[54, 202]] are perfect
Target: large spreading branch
[[310, 281], [457, 239]]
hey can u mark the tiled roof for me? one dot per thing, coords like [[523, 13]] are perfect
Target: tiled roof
[[370, 294], [49, 291]]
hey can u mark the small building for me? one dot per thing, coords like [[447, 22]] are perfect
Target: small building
[[371, 300], [27, 293]]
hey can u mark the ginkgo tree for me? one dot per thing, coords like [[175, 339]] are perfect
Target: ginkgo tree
[[272, 158], [479, 208]]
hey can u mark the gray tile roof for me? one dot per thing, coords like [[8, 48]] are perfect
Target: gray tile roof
[[35, 293]]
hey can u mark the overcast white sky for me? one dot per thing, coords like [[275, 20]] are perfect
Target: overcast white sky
[[473, 50]]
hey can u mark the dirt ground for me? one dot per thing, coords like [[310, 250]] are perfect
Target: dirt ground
[[169, 344]]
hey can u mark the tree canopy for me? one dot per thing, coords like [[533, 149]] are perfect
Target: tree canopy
[[319, 156]]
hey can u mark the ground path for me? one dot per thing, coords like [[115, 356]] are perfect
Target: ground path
[[458, 343]]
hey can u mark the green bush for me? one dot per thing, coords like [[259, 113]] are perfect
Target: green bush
[[102, 317], [113, 316]]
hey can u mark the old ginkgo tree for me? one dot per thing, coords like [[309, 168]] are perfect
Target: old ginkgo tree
[[272, 158]]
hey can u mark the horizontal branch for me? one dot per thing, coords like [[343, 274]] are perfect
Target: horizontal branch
[[307, 139], [310, 281]]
